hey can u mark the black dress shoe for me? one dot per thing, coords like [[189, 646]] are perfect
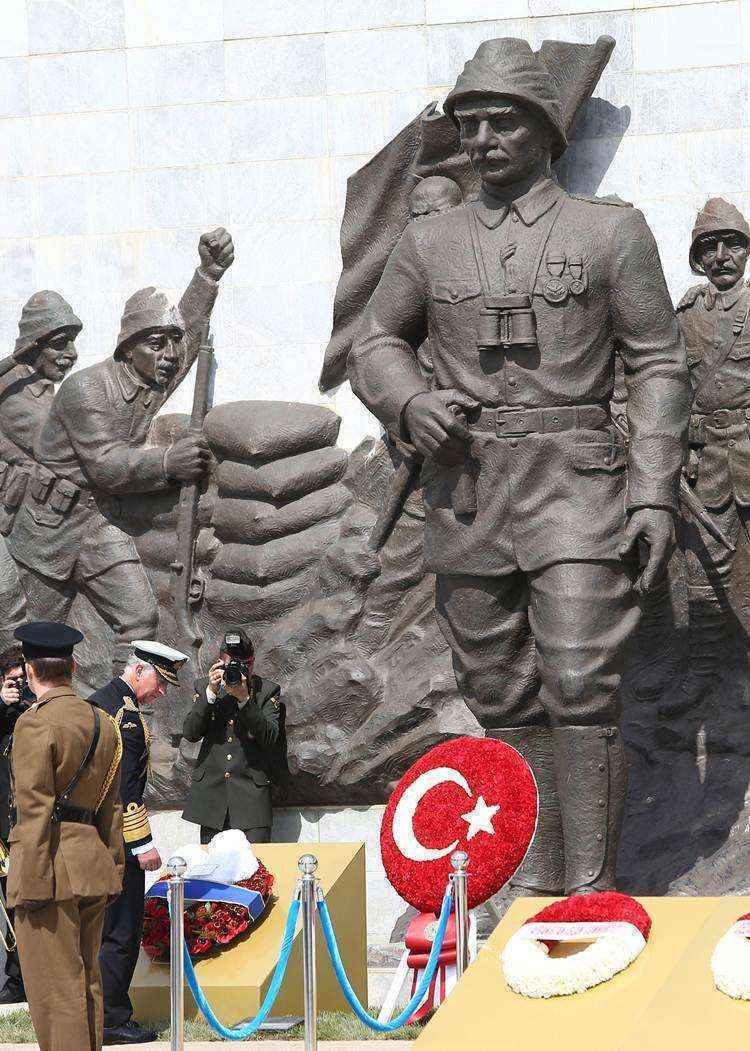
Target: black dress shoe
[[128, 1033], [12, 994]]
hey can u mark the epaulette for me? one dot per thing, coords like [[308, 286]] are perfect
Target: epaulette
[[691, 296], [611, 198]]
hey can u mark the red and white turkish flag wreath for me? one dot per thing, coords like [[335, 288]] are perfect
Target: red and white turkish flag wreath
[[614, 926], [472, 794]]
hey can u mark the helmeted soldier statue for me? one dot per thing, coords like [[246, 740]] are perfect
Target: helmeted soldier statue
[[531, 517], [44, 353], [91, 451], [713, 317]]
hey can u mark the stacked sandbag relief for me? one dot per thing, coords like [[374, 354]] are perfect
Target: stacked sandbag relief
[[278, 504]]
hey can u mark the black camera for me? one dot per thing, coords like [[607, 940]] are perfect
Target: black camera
[[234, 672], [237, 646], [25, 694]]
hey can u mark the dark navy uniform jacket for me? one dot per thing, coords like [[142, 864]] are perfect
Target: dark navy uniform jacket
[[118, 700]]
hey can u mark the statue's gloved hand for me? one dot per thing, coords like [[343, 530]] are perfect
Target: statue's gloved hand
[[188, 459], [216, 250], [433, 420], [655, 527]]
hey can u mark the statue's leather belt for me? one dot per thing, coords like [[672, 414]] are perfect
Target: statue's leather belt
[[723, 417], [515, 423]]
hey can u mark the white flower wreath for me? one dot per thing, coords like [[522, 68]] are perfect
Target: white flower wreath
[[730, 962], [530, 970]]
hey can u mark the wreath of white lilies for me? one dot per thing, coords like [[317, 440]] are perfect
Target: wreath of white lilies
[[615, 926], [730, 962]]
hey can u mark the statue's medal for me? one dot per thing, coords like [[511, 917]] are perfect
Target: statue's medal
[[577, 282], [555, 289]]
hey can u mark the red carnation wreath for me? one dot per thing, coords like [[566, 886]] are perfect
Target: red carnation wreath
[[209, 926], [472, 794], [616, 926]]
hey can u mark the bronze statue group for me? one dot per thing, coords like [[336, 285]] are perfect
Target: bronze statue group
[[488, 351]]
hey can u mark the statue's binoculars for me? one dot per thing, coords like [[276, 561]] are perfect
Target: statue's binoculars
[[506, 321]]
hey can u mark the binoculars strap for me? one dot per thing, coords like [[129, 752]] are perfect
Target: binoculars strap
[[479, 255]]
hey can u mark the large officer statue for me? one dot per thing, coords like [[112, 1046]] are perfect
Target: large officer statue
[[91, 451], [532, 519], [44, 353], [713, 317]]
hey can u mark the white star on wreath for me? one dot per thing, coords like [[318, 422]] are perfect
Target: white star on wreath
[[480, 818]]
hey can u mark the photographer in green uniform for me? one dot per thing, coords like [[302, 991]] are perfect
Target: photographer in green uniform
[[236, 718]]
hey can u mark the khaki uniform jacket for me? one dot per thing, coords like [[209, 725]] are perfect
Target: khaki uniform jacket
[[549, 496], [51, 861]]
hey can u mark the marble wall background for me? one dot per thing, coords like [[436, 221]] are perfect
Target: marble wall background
[[128, 126]]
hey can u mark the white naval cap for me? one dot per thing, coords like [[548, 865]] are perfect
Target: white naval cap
[[165, 659]]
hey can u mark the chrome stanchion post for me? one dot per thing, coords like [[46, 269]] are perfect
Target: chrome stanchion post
[[308, 866], [176, 896], [460, 863]]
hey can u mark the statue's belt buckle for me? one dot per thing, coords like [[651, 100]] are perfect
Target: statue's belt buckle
[[515, 424]]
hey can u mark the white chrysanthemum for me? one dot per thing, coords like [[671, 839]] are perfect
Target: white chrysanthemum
[[531, 971], [730, 963]]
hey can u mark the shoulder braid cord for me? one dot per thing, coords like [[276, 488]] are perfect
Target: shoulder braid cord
[[130, 706], [114, 765]]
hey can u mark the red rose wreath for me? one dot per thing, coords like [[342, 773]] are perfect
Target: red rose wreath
[[209, 926], [616, 926]]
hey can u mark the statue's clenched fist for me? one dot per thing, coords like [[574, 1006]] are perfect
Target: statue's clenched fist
[[188, 459], [216, 250], [434, 422]]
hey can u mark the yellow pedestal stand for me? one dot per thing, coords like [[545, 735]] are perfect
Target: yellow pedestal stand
[[666, 999], [236, 981]]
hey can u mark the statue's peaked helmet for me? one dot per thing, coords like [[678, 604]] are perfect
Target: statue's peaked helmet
[[716, 216], [46, 312], [507, 66], [146, 310]]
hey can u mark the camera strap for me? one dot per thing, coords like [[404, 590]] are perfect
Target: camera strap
[[489, 297]]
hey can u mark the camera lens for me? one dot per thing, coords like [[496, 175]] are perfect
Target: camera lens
[[233, 674]]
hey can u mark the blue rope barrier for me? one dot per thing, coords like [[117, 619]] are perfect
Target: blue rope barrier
[[249, 1028], [422, 987]]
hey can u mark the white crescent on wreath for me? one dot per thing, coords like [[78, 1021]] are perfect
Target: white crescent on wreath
[[614, 925], [730, 961]]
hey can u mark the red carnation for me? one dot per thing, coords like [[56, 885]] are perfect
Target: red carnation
[[605, 907]]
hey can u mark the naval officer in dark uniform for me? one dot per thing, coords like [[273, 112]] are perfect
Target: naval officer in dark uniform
[[236, 717], [150, 668]]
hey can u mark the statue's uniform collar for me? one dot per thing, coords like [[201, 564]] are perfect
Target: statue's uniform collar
[[528, 206], [131, 383]]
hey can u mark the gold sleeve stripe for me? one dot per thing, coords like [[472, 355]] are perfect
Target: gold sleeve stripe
[[114, 766], [135, 824]]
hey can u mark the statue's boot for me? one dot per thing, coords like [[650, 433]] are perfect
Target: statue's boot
[[592, 783], [543, 870], [707, 627]]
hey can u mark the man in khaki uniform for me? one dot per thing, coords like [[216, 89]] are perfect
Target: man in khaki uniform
[[66, 853]]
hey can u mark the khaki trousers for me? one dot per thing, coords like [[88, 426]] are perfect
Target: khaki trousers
[[58, 946]]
